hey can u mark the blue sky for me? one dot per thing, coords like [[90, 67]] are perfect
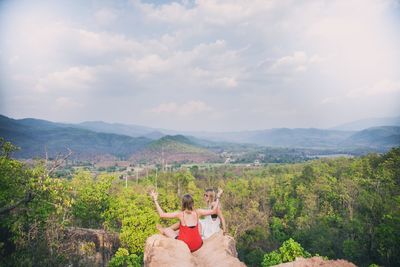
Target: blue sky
[[201, 65]]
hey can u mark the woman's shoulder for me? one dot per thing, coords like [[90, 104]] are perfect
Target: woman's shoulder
[[178, 214]]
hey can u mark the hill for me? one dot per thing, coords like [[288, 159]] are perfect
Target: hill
[[100, 139], [35, 136], [119, 128], [176, 148], [377, 137]]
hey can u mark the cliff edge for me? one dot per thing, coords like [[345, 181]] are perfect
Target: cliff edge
[[218, 250], [316, 262]]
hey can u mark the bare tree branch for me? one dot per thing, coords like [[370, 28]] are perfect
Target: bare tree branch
[[57, 163], [29, 196], [47, 155]]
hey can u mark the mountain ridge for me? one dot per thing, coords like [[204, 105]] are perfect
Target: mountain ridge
[[35, 134], [362, 124]]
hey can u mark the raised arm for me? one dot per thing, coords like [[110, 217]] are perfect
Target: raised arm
[[154, 196], [203, 212], [221, 217]]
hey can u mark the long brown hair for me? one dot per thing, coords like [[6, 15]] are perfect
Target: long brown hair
[[187, 202]]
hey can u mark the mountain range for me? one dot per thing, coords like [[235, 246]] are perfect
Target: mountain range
[[362, 124], [90, 140]]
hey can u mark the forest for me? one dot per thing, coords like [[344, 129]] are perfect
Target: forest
[[342, 208]]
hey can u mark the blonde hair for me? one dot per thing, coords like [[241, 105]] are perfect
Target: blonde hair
[[211, 194]]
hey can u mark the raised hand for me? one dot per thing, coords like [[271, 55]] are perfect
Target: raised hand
[[154, 195], [220, 191]]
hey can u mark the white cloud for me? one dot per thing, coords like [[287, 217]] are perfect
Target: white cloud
[[149, 64], [311, 53], [207, 12], [228, 82], [382, 87], [67, 103], [331, 100], [103, 42], [172, 13], [105, 16], [72, 79], [185, 110], [297, 62]]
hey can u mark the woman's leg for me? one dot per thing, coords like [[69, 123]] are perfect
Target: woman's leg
[[175, 226], [168, 232]]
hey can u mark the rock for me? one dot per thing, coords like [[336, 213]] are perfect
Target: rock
[[218, 250], [316, 261]]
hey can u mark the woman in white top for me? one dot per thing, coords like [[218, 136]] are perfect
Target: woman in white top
[[211, 223]]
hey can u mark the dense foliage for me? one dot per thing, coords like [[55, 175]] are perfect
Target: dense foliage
[[339, 208], [288, 252]]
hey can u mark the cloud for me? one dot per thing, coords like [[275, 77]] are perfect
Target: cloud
[[67, 103], [330, 100], [172, 13], [382, 87], [149, 64], [297, 62], [202, 58], [105, 16], [228, 82], [207, 12], [72, 79], [185, 110]]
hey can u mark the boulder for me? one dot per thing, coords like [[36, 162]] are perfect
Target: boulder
[[316, 261], [218, 250]]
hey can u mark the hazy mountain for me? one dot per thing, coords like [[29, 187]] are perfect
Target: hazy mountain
[[368, 123], [376, 137], [118, 128], [35, 136], [284, 137]]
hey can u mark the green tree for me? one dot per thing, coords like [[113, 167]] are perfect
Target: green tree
[[289, 251], [91, 199]]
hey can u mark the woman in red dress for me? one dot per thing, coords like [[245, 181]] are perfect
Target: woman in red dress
[[189, 220]]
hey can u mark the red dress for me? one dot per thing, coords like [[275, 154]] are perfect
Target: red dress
[[190, 235]]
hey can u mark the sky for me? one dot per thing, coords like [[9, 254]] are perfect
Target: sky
[[204, 65]]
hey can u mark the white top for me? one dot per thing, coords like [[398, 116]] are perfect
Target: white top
[[209, 226]]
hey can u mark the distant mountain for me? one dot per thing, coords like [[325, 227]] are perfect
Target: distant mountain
[[118, 128], [284, 137], [30, 122], [368, 123], [170, 149], [93, 139], [311, 137], [375, 137], [35, 136]]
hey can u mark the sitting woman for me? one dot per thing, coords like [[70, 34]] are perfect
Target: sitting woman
[[211, 223], [189, 221]]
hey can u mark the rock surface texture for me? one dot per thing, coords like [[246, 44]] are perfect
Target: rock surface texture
[[316, 261], [218, 250]]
